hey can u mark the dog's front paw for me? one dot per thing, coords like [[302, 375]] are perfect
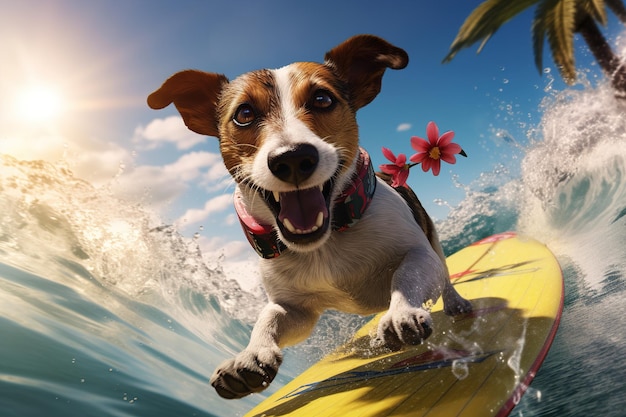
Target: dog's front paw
[[399, 327], [248, 372]]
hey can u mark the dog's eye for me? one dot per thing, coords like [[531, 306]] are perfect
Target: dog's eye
[[322, 100], [244, 115]]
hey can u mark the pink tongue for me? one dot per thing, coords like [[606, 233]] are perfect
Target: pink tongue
[[302, 207]]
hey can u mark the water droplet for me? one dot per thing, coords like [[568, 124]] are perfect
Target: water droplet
[[460, 369], [505, 81], [546, 70]]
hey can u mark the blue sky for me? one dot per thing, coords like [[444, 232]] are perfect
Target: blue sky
[[103, 57]]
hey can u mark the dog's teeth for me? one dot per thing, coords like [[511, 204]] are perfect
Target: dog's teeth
[[320, 220], [321, 187], [292, 229], [289, 226], [276, 195]]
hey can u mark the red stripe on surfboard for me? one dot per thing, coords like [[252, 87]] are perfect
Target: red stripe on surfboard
[[495, 238], [530, 375]]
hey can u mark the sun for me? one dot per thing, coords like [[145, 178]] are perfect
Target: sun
[[39, 104]]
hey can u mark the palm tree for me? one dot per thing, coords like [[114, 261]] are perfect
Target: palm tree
[[558, 20]]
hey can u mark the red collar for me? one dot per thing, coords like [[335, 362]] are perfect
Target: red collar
[[348, 209]]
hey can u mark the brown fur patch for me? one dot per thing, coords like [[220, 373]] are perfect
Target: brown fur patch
[[337, 124], [238, 144]]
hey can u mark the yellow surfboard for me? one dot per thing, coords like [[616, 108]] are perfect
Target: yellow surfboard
[[477, 365]]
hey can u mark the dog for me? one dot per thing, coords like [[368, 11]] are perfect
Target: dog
[[331, 233]]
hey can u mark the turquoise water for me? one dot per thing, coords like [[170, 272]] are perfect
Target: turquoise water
[[105, 312]]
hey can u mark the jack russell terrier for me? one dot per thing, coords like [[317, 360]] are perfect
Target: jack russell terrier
[[331, 233]]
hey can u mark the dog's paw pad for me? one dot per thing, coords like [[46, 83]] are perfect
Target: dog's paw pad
[[404, 327], [248, 372]]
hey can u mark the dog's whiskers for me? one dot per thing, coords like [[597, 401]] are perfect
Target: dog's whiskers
[[248, 145]]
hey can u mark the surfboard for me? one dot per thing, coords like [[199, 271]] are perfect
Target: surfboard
[[477, 365]]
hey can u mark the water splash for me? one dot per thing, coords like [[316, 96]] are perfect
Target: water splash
[[566, 188], [122, 245], [514, 362], [574, 193], [490, 206]]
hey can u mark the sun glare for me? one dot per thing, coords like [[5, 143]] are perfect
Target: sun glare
[[39, 104]]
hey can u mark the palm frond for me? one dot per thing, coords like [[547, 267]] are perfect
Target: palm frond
[[556, 19], [594, 8], [539, 38], [484, 21]]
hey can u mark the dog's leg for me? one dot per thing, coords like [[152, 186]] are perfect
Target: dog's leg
[[406, 321], [253, 369], [453, 303]]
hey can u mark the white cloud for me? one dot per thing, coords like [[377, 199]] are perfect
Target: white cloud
[[231, 219], [217, 178], [158, 186], [214, 205], [172, 129], [403, 127], [188, 167], [217, 173], [151, 185]]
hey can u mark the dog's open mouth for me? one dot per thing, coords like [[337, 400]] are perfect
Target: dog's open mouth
[[302, 215]]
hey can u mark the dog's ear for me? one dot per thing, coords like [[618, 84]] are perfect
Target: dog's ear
[[361, 62], [195, 95]]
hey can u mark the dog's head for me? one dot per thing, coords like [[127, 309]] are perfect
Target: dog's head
[[288, 136]]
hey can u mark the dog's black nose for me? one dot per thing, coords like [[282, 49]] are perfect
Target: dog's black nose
[[294, 164]]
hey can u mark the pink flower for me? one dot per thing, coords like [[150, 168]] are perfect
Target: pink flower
[[430, 152], [399, 169]]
